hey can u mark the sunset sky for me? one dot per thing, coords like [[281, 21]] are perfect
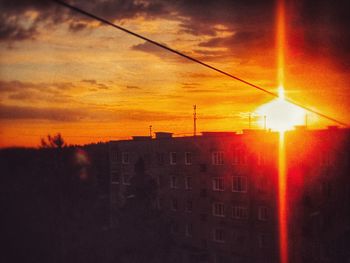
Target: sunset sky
[[63, 72]]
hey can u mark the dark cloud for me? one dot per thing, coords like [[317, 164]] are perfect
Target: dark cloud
[[36, 92], [54, 114], [12, 112], [202, 91], [15, 85], [59, 85], [153, 49], [16, 22], [102, 86], [197, 17], [11, 30], [317, 27], [190, 85], [159, 52], [132, 87], [90, 81], [211, 54], [96, 84], [122, 9], [22, 95], [238, 38], [322, 30], [78, 26], [243, 44], [249, 22], [18, 25], [203, 16]]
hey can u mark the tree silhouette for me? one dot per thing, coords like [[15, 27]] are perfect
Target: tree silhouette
[[55, 141], [144, 230], [54, 145]]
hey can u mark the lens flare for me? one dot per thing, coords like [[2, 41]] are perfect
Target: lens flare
[[281, 92], [282, 200], [281, 115], [280, 39]]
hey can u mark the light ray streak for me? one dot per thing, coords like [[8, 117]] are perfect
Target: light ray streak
[[282, 199], [282, 181]]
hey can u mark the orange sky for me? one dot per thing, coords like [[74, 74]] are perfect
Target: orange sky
[[61, 72]]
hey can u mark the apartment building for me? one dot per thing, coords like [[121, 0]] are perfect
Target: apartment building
[[319, 194], [218, 190]]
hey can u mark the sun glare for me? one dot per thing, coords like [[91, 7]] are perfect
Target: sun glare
[[280, 115]]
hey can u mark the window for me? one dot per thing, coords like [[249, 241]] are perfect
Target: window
[[203, 168], [219, 209], [115, 177], [189, 206], [173, 159], [218, 158], [125, 158], [263, 240], [159, 203], [126, 179], [204, 243], [188, 158], [219, 235], [239, 212], [261, 159], [325, 159], [189, 230], [203, 193], [158, 180], [114, 155], [203, 217], [174, 228], [174, 204], [326, 188], [188, 183], [262, 184], [263, 213], [239, 238], [173, 182], [239, 156], [239, 184], [220, 258], [218, 184], [160, 158]]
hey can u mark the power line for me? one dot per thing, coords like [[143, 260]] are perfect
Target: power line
[[196, 61]]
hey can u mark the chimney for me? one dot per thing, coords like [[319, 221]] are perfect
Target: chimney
[[163, 135]]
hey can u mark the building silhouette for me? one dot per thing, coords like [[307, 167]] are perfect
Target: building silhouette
[[319, 194], [219, 192]]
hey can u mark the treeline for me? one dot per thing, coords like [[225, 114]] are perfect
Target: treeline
[[55, 199], [56, 208]]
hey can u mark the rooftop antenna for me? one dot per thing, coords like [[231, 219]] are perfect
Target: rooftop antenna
[[194, 120], [150, 131]]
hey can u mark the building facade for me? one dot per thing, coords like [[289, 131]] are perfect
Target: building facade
[[319, 194], [218, 191]]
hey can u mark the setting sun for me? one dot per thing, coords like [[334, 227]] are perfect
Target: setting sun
[[280, 115]]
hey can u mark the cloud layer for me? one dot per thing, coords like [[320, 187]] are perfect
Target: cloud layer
[[318, 27], [60, 66]]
